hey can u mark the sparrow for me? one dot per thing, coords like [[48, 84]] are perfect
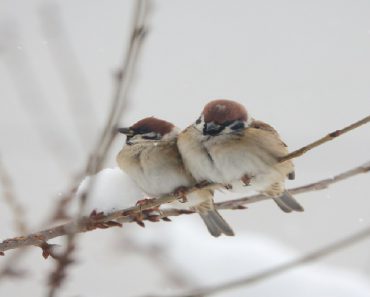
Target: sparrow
[[226, 145], [151, 158]]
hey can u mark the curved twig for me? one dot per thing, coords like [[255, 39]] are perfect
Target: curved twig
[[130, 214], [99, 154], [271, 272], [324, 139]]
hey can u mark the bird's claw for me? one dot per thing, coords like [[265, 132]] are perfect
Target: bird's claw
[[228, 186], [202, 184], [246, 180], [151, 214], [144, 201], [180, 193]]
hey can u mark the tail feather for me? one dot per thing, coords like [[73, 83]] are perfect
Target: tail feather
[[211, 226], [287, 203], [282, 205], [215, 223]]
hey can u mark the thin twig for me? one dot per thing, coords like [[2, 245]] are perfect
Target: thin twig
[[324, 139], [11, 200], [9, 267], [70, 72], [156, 254], [123, 82], [98, 156], [279, 269], [299, 152], [26, 83], [316, 186], [124, 79], [144, 210]]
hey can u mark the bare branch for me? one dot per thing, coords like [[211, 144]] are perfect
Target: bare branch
[[156, 254], [8, 268], [123, 84], [8, 265], [324, 139], [58, 275], [70, 72], [124, 79], [316, 186], [11, 200], [33, 100], [279, 269], [145, 211]]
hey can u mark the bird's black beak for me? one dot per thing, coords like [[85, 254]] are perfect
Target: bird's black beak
[[212, 129], [126, 131]]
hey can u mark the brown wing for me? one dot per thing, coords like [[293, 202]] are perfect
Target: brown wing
[[266, 127]]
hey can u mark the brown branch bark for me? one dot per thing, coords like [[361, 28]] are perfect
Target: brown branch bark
[[324, 139], [156, 254], [99, 154], [32, 98], [316, 186], [11, 199], [144, 212], [279, 269], [123, 82], [66, 63], [8, 268]]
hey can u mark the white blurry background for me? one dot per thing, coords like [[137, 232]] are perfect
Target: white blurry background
[[302, 66]]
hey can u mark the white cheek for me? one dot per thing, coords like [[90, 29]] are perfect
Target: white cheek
[[171, 135], [135, 139], [227, 130], [199, 126]]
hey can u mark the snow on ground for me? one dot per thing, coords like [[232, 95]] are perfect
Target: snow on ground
[[207, 261]]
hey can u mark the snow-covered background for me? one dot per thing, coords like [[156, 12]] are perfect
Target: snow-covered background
[[302, 66]]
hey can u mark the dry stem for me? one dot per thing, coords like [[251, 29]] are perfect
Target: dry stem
[[70, 73], [324, 139], [258, 277], [316, 186], [127, 215], [11, 200], [36, 104], [123, 84]]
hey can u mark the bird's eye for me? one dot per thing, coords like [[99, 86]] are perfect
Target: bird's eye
[[198, 121], [237, 126]]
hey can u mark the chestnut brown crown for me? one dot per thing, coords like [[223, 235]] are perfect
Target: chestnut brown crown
[[152, 124], [224, 111], [147, 129]]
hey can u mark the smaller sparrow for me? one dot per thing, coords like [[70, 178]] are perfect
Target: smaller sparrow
[[226, 145], [151, 158]]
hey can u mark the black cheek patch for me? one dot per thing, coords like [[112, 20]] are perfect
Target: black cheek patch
[[212, 129], [237, 126]]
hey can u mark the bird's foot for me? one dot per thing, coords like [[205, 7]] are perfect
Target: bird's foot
[[180, 193], [202, 184], [152, 214], [246, 180], [144, 201], [228, 186]]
